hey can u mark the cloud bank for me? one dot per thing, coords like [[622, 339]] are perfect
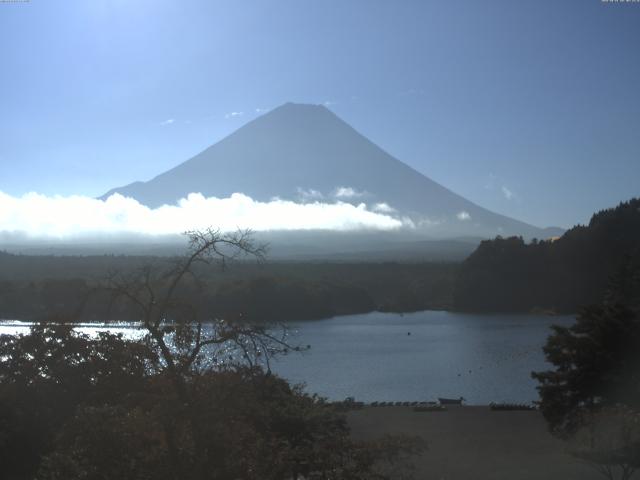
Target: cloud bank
[[71, 217]]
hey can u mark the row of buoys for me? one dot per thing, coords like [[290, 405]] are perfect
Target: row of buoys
[[433, 406], [402, 404], [350, 404], [511, 406]]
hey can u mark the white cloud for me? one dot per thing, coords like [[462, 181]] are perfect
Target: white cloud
[[463, 216], [260, 110], [72, 217], [309, 194], [495, 183], [234, 114], [328, 103], [347, 192], [168, 121], [383, 208]]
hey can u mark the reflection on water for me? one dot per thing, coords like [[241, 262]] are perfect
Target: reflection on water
[[410, 357], [127, 329]]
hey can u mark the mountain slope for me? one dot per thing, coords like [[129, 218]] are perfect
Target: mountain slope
[[305, 152]]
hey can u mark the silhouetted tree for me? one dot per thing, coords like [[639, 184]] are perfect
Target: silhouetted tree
[[597, 364], [593, 395]]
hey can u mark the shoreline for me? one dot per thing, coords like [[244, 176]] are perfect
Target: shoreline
[[129, 323]]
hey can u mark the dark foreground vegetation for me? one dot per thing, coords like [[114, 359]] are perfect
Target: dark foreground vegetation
[[38, 287], [592, 396], [106, 408], [188, 400], [509, 275]]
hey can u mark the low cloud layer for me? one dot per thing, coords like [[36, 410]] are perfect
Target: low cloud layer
[[40, 216]]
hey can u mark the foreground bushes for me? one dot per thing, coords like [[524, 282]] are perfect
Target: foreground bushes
[[75, 407]]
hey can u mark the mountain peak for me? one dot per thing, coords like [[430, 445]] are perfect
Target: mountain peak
[[296, 111], [297, 148], [300, 107]]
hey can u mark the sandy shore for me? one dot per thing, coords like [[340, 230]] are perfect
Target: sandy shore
[[476, 443]]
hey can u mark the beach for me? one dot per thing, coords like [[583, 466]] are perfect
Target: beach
[[474, 442]]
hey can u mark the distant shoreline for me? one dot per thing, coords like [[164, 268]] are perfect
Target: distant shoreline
[[129, 324]]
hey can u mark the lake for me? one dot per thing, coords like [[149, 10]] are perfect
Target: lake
[[411, 357]]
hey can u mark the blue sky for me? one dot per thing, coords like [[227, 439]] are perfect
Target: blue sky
[[529, 108]]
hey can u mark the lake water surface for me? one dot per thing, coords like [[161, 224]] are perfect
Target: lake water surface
[[484, 358], [412, 357]]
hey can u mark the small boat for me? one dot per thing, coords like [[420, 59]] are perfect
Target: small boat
[[451, 401]]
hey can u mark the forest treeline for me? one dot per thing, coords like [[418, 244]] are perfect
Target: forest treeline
[[502, 275], [559, 275], [37, 288]]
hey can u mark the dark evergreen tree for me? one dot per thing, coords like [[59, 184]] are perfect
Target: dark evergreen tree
[[596, 360]]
